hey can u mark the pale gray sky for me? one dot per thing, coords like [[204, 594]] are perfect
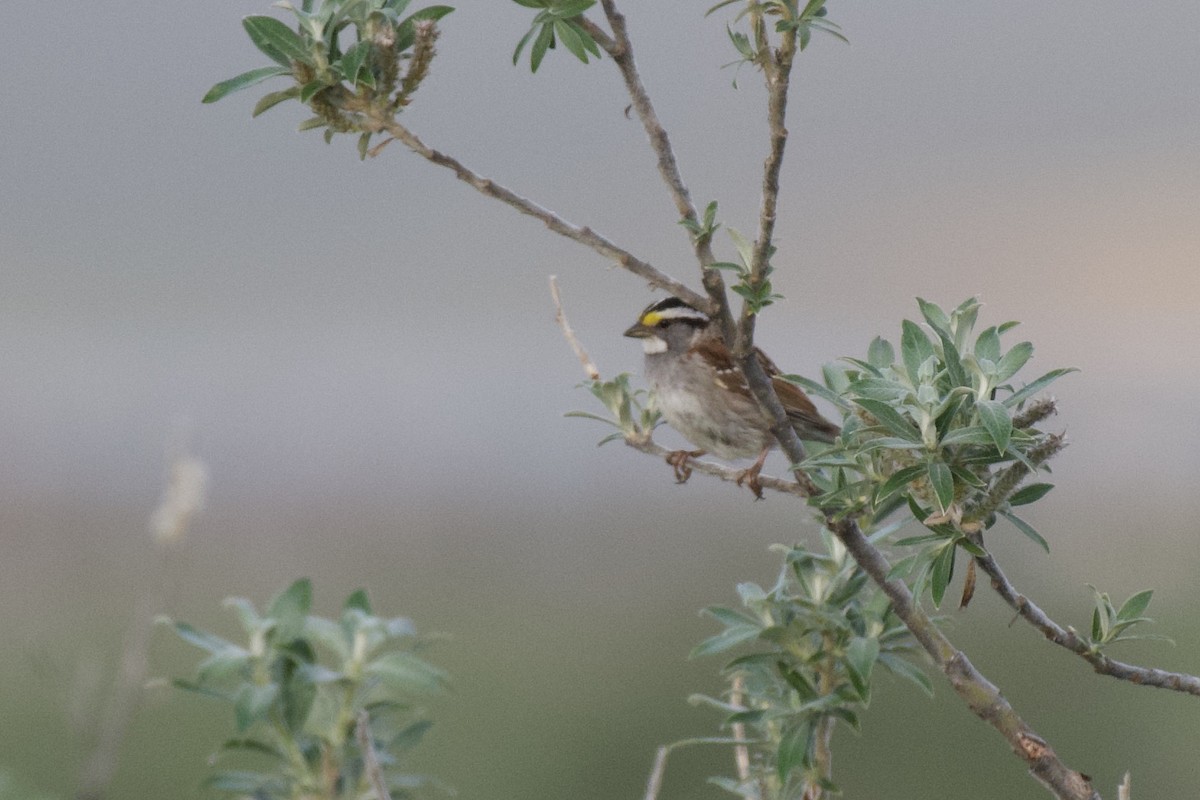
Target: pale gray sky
[[160, 256]]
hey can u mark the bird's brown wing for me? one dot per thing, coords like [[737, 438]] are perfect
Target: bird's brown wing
[[808, 422], [726, 372], [805, 418]]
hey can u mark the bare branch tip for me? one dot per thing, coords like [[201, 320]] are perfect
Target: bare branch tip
[[560, 317]]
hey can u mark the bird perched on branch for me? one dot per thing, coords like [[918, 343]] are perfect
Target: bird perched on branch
[[703, 394]]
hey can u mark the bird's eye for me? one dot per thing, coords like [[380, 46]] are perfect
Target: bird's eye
[[663, 324]]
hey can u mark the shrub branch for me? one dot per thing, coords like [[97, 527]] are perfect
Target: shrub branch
[[1068, 638], [582, 234]]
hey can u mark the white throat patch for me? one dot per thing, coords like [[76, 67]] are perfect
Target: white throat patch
[[652, 345]]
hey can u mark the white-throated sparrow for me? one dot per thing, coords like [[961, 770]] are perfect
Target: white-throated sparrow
[[703, 394]]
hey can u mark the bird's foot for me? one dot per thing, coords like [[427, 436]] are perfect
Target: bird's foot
[[678, 459], [750, 478]]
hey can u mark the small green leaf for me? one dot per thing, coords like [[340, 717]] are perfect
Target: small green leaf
[[994, 417], [1027, 529], [923, 538], [943, 573], [406, 672], [358, 599], [897, 481], [353, 60], [253, 746], [273, 99], [971, 547], [906, 669], [290, 608], [973, 434], [328, 634], [915, 349], [409, 737], [433, 13], [727, 639], [728, 617], [1030, 494], [1036, 386], [253, 704], [962, 320], [243, 81], [564, 9], [516, 57], [953, 361], [890, 418], [245, 782], [934, 315], [308, 90], [277, 41], [880, 353], [203, 639], [987, 346], [861, 655], [793, 749], [543, 42], [942, 481], [571, 40], [880, 389], [1135, 606], [220, 669], [1013, 360]]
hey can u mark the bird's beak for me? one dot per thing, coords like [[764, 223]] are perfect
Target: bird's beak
[[639, 331]]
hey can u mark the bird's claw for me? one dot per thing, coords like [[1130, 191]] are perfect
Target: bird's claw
[[750, 478], [678, 459]]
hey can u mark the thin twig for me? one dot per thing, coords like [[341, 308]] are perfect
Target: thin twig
[[741, 753], [1123, 791], [362, 731], [377, 149], [716, 470], [777, 69], [1068, 638], [654, 782], [553, 221], [560, 316]]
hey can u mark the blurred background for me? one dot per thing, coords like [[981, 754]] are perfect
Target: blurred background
[[364, 355]]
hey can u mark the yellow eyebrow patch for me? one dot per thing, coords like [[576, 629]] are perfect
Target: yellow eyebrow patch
[[651, 318]]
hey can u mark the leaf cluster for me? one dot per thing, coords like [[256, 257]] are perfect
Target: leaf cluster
[[556, 21], [633, 413], [1111, 625], [757, 292], [295, 712], [815, 638], [752, 45], [352, 62], [942, 430]]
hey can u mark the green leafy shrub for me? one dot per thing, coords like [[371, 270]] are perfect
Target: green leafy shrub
[[298, 688]]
